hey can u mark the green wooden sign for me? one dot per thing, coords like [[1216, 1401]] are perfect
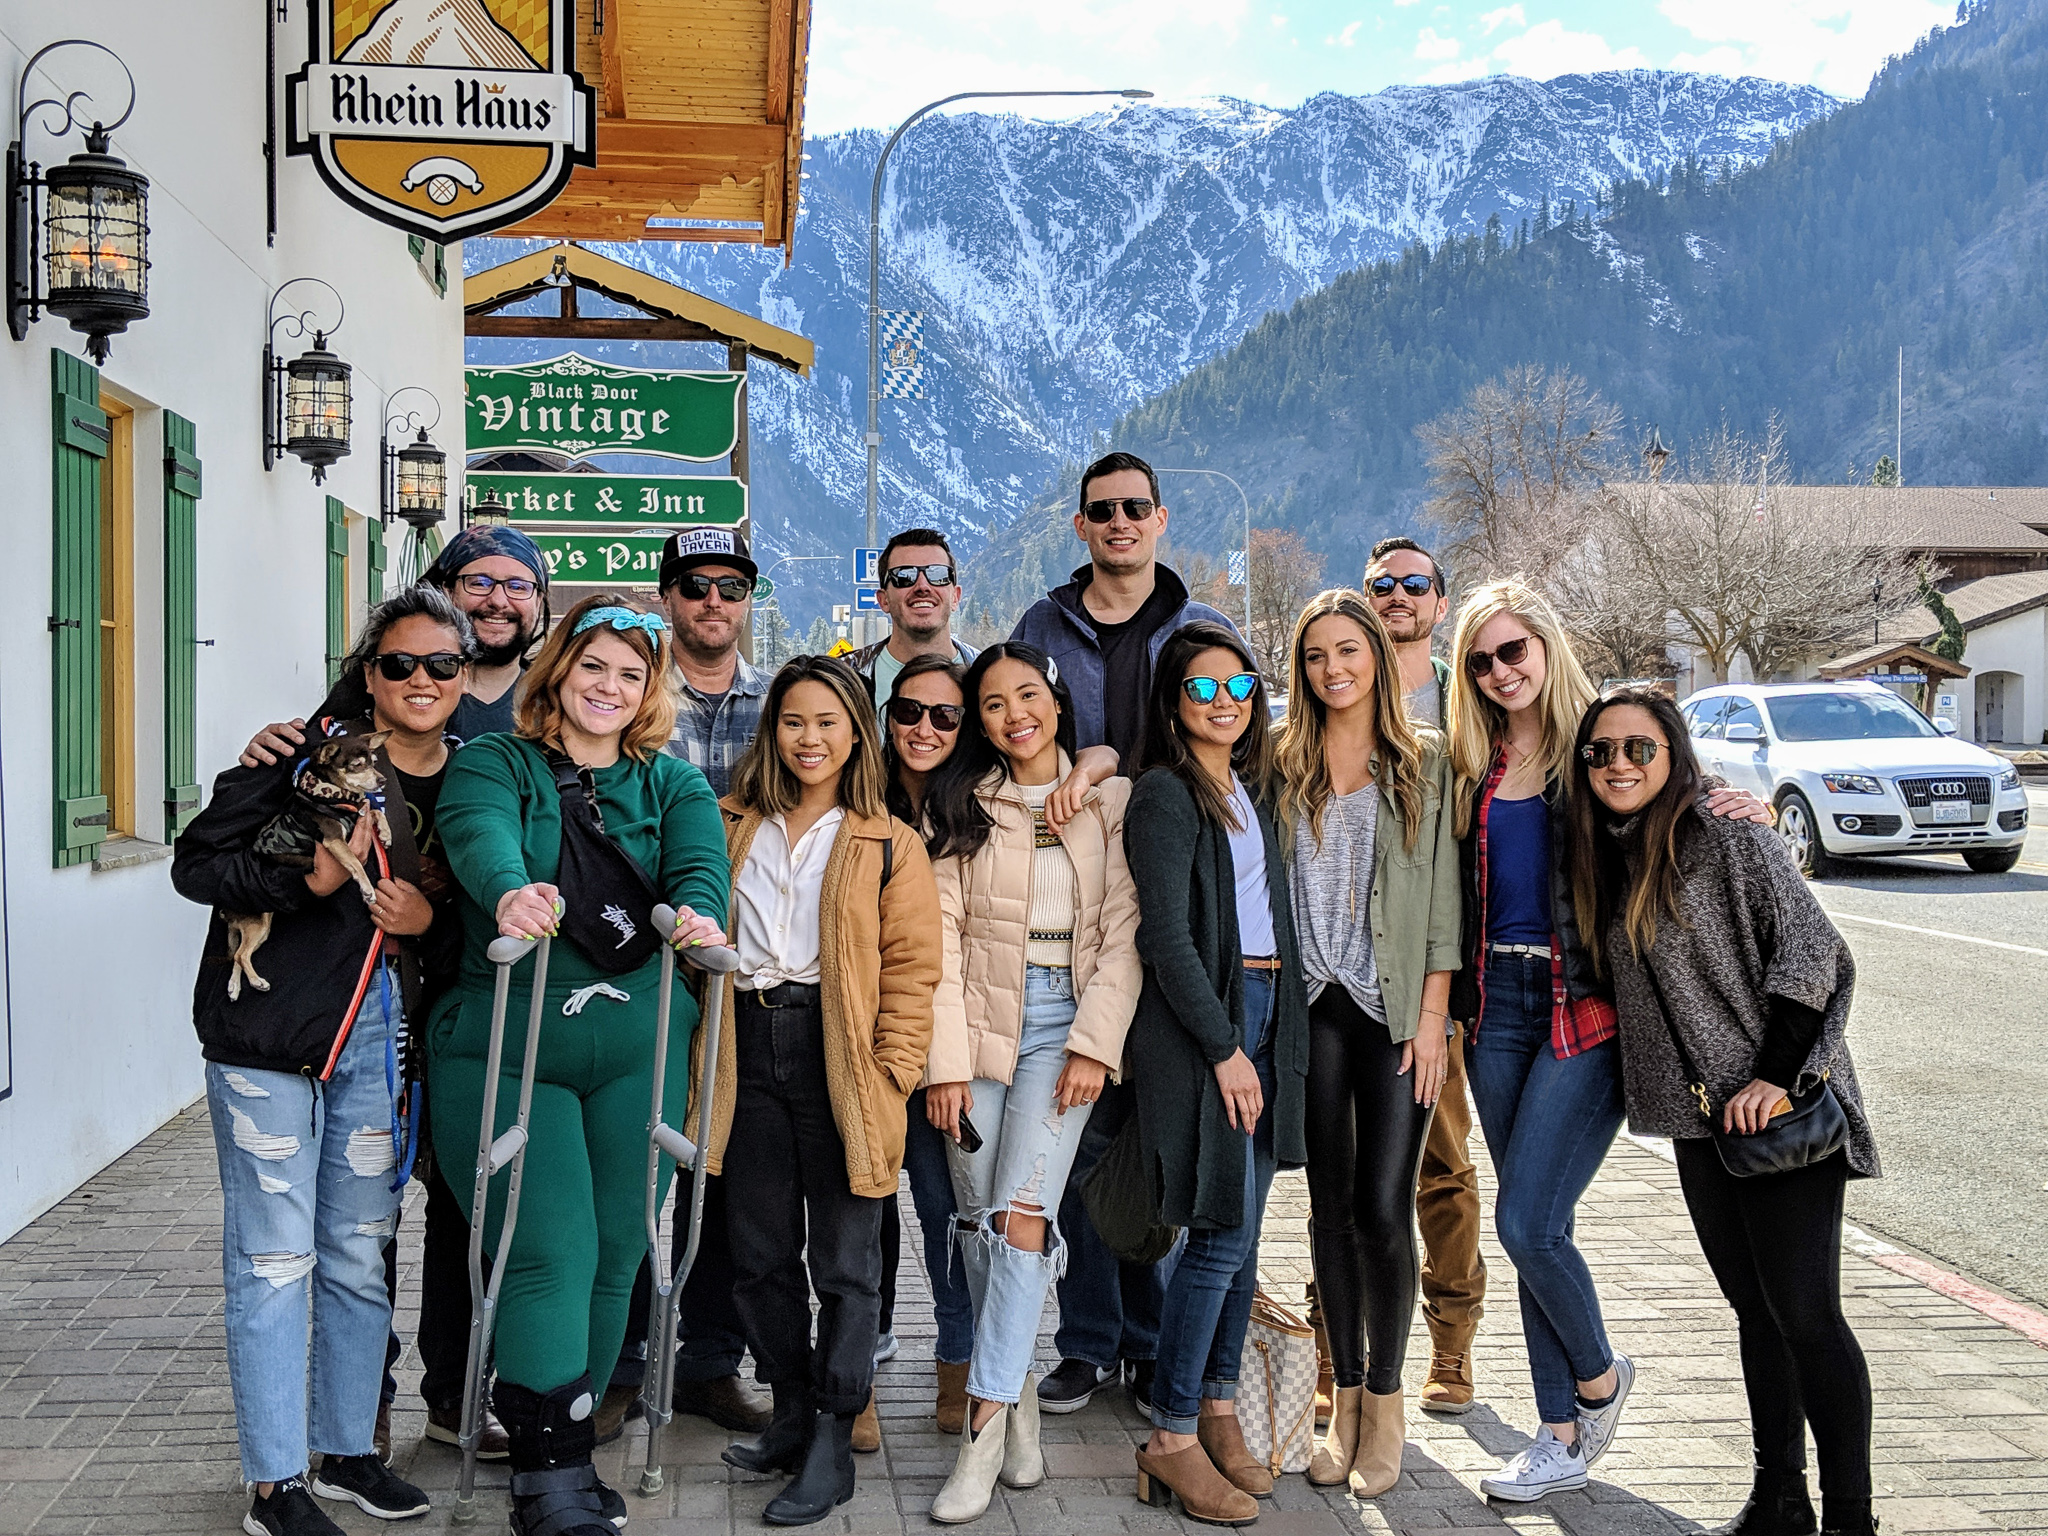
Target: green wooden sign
[[643, 501], [575, 406], [625, 559]]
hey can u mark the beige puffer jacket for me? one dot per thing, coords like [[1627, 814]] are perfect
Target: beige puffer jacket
[[985, 905]]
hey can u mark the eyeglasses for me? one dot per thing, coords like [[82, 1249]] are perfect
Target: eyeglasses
[[907, 712], [1414, 586], [398, 666], [1135, 508], [516, 587], [1640, 750], [1203, 689], [906, 575], [696, 586], [1479, 663]]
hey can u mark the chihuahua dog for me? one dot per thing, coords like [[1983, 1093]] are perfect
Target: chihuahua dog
[[337, 782]]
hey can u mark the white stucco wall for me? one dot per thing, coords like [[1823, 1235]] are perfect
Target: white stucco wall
[[100, 964], [2018, 645]]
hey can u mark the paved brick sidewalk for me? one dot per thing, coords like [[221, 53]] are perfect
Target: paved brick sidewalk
[[115, 1415]]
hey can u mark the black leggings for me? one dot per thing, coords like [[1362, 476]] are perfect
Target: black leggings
[[1774, 1243], [1365, 1136]]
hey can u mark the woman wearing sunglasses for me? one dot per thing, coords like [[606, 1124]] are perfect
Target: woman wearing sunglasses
[[1373, 867], [1218, 1049], [1727, 974], [1041, 975], [575, 825]]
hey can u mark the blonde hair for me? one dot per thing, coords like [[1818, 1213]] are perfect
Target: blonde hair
[[538, 714], [1477, 724], [1301, 758], [763, 782]]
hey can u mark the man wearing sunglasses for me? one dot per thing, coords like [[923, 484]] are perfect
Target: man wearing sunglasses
[[1405, 586], [920, 592]]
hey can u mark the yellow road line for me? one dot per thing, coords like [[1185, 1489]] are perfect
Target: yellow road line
[[1936, 933]]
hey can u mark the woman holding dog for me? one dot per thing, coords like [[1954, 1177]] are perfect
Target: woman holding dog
[[575, 826], [303, 1074]]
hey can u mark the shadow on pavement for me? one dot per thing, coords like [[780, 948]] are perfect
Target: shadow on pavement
[[1599, 1509]]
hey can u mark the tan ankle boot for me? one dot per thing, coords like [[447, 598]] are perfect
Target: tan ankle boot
[[1331, 1464], [1206, 1494], [967, 1492], [1223, 1438], [1382, 1431], [952, 1405], [867, 1427]]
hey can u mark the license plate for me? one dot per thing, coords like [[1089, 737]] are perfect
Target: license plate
[[1951, 811]]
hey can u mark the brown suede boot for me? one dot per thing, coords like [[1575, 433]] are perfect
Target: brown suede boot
[[1449, 1387], [1382, 1431], [952, 1408], [1331, 1464], [867, 1427], [1223, 1438], [1206, 1494]]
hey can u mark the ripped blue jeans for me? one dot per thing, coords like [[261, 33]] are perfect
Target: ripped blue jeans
[[306, 1171], [1026, 1152]]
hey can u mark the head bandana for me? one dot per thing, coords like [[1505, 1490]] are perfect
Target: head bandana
[[622, 619], [481, 543]]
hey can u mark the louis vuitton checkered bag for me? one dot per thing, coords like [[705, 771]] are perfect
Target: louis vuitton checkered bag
[[1276, 1387]]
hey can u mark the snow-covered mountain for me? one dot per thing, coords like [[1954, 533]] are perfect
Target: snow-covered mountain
[[1067, 271]]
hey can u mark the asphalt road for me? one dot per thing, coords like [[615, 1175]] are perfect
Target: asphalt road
[[1950, 1038]]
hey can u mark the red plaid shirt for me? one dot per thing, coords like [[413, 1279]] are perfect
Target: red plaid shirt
[[1576, 1023]]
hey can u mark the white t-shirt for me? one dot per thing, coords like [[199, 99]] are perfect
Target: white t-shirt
[[775, 903], [1254, 901]]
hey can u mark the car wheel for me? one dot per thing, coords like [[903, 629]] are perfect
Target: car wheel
[[1801, 830], [1991, 861]]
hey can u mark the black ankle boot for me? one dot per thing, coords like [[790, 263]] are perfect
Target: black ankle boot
[[554, 1486], [1777, 1506], [1856, 1522], [826, 1478], [780, 1447]]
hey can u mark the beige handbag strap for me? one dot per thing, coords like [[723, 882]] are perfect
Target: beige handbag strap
[[1273, 1456]]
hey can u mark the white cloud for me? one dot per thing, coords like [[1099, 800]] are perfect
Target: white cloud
[[1493, 21], [1345, 39], [1549, 49], [1835, 44], [1430, 47]]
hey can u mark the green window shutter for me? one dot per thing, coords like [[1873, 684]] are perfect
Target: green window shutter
[[373, 538], [440, 269], [337, 587], [181, 624], [79, 444]]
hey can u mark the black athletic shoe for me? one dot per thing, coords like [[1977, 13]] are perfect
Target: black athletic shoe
[[289, 1511], [1068, 1389], [1138, 1377], [371, 1486], [612, 1502]]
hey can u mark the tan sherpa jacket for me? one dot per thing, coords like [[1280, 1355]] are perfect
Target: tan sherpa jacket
[[986, 904], [878, 953]]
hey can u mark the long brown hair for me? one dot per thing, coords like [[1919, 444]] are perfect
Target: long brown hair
[[538, 714], [1165, 747], [762, 781], [1301, 757], [1601, 886]]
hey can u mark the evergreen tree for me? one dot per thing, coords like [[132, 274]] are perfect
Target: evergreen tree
[[1886, 472]]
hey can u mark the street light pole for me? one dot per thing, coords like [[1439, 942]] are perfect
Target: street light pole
[[874, 432], [1247, 536]]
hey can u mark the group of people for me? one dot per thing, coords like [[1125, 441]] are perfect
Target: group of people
[[1081, 908]]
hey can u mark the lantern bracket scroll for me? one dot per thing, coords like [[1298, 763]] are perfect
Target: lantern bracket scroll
[[414, 485], [306, 400]]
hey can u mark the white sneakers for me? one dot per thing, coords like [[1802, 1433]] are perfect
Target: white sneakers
[[1548, 1466], [1597, 1425]]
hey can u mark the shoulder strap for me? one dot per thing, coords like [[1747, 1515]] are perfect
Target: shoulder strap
[[1698, 1084]]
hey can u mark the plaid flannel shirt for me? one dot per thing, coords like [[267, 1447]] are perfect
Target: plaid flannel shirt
[[1577, 1024], [712, 732]]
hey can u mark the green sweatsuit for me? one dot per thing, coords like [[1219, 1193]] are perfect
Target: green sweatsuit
[[581, 1231]]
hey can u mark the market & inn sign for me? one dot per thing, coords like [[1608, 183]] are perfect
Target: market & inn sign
[[446, 118]]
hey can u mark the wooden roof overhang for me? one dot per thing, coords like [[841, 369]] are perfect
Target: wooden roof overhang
[[661, 310], [700, 123], [1877, 659]]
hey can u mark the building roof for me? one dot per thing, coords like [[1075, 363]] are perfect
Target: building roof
[[1937, 519], [1977, 602], [1890, 654], [700, 123]]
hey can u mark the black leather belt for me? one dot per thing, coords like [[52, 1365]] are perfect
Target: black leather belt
[[791, 994]]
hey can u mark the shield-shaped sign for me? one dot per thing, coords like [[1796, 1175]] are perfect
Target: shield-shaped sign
[[446, 118]]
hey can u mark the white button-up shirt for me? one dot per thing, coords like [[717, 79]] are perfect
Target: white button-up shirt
[[776, 900]]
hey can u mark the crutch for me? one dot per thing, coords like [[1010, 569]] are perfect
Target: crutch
[[492, 1155], [658, 1386]]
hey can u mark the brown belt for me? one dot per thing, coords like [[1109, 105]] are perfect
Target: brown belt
[[1262, 962]]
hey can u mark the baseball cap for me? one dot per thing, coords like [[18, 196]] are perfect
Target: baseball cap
[[688, 548]]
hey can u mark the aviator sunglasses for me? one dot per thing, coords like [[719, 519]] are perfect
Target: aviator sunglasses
[[1135, 508], [1479, 663], [398, 666], [907, 712], [906, 575], [1640, 750], [1203, 689], [1414, 586]]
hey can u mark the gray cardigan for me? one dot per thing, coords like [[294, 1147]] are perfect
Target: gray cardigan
[[1748, 928]]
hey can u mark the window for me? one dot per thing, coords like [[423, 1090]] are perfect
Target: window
[[1742, 712], [1847, 716], [1706, 717]]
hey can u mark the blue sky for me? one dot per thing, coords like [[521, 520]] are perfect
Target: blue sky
[[874, 61]]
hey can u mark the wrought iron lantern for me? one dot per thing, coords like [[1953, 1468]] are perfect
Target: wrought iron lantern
[[488, 513], [86, 259], [415, 483], [306, 400]]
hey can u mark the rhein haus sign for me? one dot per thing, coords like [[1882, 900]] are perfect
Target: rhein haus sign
[[571, 405], [446, 118]]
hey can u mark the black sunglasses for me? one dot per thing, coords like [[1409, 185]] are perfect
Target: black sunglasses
[[1479, 663], [1640, 750], [734, 589], [1414, 586], [906, 575], [515, 586], [1135, 508], [945, 717], [398, 666]]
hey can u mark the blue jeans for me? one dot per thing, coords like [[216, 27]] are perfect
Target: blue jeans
[[306, 1170], [931, 1192], [1548, 1125], [1026, 1153], [1109, 1310], [1209, 1299]]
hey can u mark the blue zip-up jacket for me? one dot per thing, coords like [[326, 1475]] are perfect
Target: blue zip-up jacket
[[1058, 625]]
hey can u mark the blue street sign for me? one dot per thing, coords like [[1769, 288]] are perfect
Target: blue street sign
[[867, 599], [867, 567]]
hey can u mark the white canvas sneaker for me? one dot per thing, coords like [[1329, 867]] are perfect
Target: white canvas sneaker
[[1548, 1466], [1597, 1425]]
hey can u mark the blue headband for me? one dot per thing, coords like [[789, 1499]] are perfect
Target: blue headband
[[622, 618]]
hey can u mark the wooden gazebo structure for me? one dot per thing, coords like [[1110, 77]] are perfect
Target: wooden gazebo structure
[[1912, 665]]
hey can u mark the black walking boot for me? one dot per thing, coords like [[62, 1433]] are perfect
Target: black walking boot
[[1855, 1522], [825, 1480], [555, 1489], [780, 1447], [1777, 1506]]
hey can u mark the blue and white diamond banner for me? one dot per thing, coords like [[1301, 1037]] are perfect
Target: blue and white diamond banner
[[902, 348]]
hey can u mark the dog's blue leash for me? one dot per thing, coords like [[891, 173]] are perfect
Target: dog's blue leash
[[405, 1148]]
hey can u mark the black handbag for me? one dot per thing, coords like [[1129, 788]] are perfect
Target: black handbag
[[1118, 1194], [608, 900], [1814, 1129]]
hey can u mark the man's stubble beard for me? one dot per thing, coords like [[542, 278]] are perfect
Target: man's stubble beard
[[1408, 631], [511, 651]]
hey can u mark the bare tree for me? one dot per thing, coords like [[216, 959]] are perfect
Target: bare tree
[[1285, 574], [1516, 470], [1619, 619]]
